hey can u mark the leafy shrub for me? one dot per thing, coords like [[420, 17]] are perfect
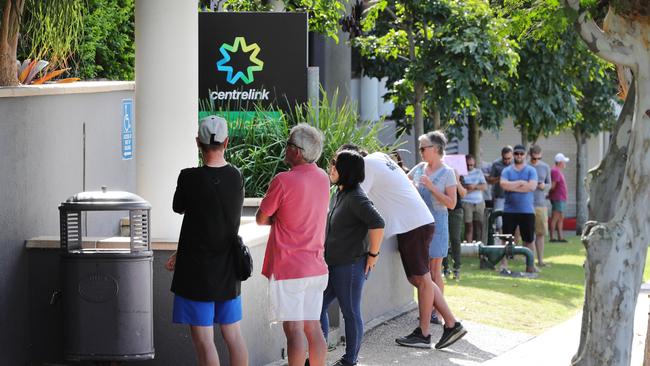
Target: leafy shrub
[[107, 49]]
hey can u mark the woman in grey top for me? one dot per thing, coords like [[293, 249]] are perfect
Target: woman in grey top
[[353, 237], [436, 183]]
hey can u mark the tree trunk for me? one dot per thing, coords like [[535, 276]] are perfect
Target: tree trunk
[[474, 137], [417, 106], [9, 27], [436, 119], [601, 184], [524, 137], [418, 123], [581, 170], [616, 250]]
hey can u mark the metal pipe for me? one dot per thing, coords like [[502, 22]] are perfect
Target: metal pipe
[[492, 254]]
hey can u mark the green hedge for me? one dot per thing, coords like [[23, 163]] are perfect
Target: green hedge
[[107, 50]]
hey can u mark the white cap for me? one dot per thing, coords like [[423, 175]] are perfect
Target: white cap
[[213, 130], [561, 158]]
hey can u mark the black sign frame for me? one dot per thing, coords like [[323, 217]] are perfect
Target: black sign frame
[[232, 47]]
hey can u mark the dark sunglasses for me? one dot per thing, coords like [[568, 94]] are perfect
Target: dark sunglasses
[[289, 143], [532, 158], [422, 148], [519, 153]]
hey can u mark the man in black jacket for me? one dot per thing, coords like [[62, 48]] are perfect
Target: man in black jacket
[[206, 288]]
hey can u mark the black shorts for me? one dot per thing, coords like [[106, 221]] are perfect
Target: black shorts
[[525, 221], [413, 248]]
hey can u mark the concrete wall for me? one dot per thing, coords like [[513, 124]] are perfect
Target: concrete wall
[[41, 165], [386, 294]]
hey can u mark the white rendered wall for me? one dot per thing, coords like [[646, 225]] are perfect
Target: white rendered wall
[[166, 35]]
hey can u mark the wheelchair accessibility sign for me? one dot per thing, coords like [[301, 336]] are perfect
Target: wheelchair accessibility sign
[[127, 129]]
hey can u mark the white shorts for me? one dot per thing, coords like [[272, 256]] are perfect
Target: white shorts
[[296, 299]]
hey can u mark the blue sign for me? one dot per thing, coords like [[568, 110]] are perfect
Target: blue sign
[[127, 129]]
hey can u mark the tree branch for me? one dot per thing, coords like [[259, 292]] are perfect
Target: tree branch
[[603, 44]]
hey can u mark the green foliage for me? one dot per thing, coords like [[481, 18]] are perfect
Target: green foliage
[[51, 30], [340, 125], [95, 37], [459, 50], [544, 96], [596, 80], [107, 49], [558, 76], [324, 15], [258, 140], [258, 151]]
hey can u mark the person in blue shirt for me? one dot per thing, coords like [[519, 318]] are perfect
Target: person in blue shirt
[[519, 181]]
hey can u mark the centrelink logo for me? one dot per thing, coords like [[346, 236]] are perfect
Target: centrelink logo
[[247, 76]]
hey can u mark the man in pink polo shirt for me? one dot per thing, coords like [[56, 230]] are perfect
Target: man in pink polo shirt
[[295, 206]]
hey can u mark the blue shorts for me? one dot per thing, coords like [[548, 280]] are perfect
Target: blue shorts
[[202, 313]]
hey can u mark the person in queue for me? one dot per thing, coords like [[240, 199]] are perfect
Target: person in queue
[[295, 206], [205, 285], [354, 234]]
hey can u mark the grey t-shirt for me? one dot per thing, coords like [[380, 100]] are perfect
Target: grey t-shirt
[[442, 178], [543, 175], [495, 172]]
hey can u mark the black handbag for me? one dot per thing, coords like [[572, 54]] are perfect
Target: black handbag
[[242, 259]]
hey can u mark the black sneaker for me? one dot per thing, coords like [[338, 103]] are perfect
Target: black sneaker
[[434, 319], [451, 335], [445, 272], [415, 339], [457, 274], [342, 362]]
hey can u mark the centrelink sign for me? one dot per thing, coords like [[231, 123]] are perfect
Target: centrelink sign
[[252, 59]]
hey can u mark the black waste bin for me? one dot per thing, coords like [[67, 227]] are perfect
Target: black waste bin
[[107, 293]]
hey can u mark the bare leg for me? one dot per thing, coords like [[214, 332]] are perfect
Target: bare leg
[[560, 226], [425, 287], [203, 340], [469, 232], [435, 268], [539, 247], [478, 230], [296, 347], [441, 305], [554, 220], [236, 345], [316, 342]]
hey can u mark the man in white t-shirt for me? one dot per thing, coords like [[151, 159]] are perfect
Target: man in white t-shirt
[[407, 216]]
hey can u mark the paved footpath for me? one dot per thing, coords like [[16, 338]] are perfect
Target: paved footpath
[[485, 345]]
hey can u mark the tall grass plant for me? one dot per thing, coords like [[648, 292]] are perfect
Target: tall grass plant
[[258, 138]]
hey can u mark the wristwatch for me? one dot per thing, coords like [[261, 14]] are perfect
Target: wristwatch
[[373, 254]]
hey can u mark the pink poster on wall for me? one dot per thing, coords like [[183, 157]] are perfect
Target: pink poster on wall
[[456, 162]]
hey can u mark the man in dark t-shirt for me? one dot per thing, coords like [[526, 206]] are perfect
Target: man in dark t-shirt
[[206, 288]]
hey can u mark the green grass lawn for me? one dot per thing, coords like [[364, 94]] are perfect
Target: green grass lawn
[[520, 304]]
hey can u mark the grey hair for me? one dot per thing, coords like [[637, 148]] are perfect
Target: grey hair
[[309, 139], [436, 138]]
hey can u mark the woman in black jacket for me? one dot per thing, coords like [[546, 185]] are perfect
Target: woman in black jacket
[[353, 237]]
